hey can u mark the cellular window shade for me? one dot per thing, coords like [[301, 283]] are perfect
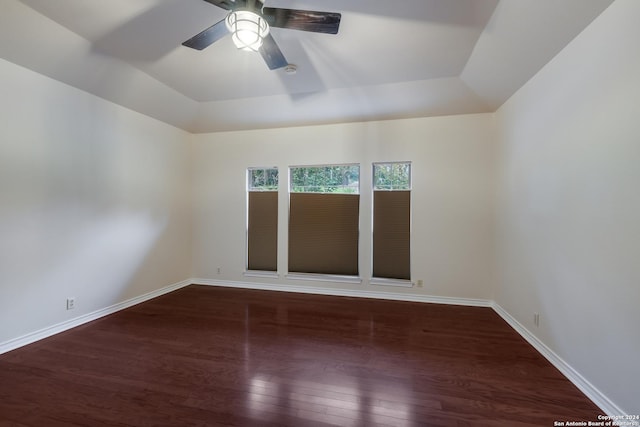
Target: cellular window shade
[[323, 233], [262, 244], [391, 234]]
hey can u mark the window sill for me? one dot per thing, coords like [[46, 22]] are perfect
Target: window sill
[[379, 281], [256, 273], [324, 278]]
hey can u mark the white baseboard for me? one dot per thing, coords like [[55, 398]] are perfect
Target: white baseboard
[[596, 396], [395, 296], [85, 318]]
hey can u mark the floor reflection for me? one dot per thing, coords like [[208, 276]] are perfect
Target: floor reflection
[[318, 380]]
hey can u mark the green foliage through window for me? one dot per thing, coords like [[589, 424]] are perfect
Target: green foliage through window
[[392, 176], [326, 179], [265, 179]]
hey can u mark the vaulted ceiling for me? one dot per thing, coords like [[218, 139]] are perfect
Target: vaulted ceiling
[[390, 59]]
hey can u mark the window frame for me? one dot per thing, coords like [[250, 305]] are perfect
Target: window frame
[[326, 277], [249, 189], [384, 281]]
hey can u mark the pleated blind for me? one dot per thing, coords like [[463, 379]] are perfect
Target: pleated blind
[[323, 233], [262, 239], [392, 234]]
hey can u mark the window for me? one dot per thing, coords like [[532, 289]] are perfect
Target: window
[[324, 209], [262, 219], [392, 220]]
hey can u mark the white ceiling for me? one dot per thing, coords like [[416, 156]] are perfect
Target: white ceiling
[[390, 59]]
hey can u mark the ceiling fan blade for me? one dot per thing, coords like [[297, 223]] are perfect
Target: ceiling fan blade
[[303, 20], [225, 4], [208, 36], [272, 54]]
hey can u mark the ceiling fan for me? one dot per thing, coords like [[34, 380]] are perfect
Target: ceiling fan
[[249, 21]]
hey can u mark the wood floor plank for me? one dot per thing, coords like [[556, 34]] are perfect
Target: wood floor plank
[[207, 356]]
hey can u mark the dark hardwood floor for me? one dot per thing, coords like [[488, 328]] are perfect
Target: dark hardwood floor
[[207, 356]]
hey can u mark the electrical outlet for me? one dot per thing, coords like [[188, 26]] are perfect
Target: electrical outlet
[[219, 270], [536, 319], [71, 303], [420, 283]]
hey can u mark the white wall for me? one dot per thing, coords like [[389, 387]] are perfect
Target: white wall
[[569, 245], [94, 203], [453, 199]]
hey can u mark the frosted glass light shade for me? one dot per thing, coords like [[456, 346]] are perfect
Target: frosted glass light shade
[[247, 29]]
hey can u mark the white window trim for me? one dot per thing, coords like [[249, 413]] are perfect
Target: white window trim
[[313, 277], [380, 281], [261, 274]]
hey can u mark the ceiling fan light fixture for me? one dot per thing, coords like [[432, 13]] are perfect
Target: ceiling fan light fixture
[[247, 28]]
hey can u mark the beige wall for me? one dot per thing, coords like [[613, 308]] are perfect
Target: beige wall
[[94, 203], [569, 216], [453, 163]]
